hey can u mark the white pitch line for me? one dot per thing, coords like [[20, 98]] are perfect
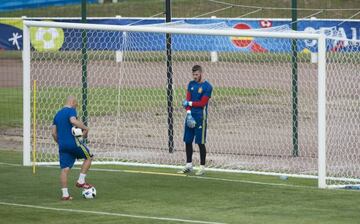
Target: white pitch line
[[183, 175], [10, 164], [202, 177], [252, 182], [109, 213]]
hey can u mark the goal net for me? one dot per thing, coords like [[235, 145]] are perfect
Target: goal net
[[265, 115]]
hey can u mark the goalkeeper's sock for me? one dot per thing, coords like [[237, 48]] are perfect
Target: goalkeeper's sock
[[202, 154], [189, 152], [65, 192], [81, 179]]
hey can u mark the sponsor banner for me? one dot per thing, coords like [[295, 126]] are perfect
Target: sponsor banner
[[11, 34], [51, 39]]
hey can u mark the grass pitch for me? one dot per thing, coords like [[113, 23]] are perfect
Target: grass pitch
[[149, 195], [50, 100], [193, 8]]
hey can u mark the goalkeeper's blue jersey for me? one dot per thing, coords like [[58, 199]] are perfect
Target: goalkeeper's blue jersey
[[197, 90], [63, 126]]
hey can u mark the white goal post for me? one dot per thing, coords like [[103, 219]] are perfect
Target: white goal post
[[252, 95]]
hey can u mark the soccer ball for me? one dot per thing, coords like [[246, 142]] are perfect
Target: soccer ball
[[89, 193], [77, 132]]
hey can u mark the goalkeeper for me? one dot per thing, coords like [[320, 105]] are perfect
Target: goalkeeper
[[66, 131], [196, 105]]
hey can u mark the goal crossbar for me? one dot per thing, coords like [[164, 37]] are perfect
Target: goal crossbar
[[173, 30]]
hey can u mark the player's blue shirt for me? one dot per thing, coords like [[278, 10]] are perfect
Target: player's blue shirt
[[63, 127], [197, 91]]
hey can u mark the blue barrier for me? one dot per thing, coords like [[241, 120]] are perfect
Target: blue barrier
[[107, 40], [9, 5]]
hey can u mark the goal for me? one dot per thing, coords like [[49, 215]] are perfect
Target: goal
[[274, 110]]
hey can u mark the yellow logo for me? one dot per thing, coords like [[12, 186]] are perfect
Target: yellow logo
[[46, 39], [200, 90]]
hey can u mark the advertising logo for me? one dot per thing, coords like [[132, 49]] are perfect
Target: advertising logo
[[242, 42], [46, 39], [246, 42]]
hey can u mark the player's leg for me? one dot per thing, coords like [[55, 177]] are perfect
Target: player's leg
[[200, 139], [63, 180], [201, 170], [202, 149], [189, 152], [86, 165], [83, 171], [66, 162], [189, 135], [82, 151]]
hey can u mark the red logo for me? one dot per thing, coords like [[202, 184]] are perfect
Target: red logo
[[244, 42], [265, 24]]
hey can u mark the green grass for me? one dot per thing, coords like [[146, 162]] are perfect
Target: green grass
[[11, 55], [101, 102], [184, 56], [107, 101], [160, 56], [10, 107], [193, 8], [237, 200]]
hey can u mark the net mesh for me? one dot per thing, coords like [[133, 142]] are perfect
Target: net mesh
[[343, 111], [251, 122]]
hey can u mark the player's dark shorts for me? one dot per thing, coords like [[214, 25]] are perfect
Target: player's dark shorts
[[68, 155], [199, 132]]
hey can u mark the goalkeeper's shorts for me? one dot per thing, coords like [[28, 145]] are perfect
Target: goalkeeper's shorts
[[68, 156], [198, 133]]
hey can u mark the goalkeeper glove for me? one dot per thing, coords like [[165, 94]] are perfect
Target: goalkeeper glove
[[186, 103], [190, 121]]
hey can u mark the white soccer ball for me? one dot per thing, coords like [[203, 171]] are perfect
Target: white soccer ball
[[77, 132], [89, 193]]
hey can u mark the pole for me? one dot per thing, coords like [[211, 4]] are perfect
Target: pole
[[295, 151], [84, 60], [26, 97], [322, 112], [169, 91], [34, 129]]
